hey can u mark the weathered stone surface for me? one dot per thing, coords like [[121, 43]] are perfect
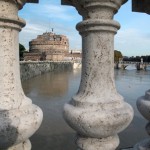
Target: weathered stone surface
[[97, 112], [143, 145], [96, 144], [143, 105], [32, 69], [19, 118], [25, 146]]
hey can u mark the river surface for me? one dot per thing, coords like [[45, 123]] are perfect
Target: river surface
[[52, 90]]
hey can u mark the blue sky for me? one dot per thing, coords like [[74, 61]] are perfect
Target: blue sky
[[132, 39]]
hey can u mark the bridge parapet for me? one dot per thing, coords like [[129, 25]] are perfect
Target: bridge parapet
[[97, 112]]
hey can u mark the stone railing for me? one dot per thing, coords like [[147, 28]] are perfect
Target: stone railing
[[29, 69], [97, 112], [19, 117]]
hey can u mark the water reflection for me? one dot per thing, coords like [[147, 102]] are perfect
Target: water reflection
[[52, 85], [131, 67], [131, 85], [50, 91]]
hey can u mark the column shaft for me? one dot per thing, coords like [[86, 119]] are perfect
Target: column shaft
[[19, 117], [97, 112]]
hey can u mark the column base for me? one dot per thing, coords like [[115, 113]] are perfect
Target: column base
[[109, 143], [143, 145], [22, 146]]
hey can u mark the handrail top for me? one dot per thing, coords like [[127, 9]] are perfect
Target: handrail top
[[32, 1]]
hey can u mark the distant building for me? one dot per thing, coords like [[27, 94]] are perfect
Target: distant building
[[53, 46], [74, 55]]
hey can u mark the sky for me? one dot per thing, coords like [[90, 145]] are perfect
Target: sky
[[133, 39]]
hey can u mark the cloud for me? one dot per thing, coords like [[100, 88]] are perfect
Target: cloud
[[132, 41], [52, 11], [32, 30], [55, 12], [46, 15], [29, 32]]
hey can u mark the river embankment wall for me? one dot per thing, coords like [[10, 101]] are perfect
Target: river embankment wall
[[33, 68]]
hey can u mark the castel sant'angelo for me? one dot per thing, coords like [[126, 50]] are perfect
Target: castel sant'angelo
[[48, 46]]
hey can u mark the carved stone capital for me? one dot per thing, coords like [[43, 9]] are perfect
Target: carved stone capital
[[9, 15], [96, 9], [20, 3]]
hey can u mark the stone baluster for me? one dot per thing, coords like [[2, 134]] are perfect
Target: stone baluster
[[19, 118], [97, 112], [143, 105]]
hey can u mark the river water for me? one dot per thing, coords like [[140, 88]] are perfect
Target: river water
[[52, 90]]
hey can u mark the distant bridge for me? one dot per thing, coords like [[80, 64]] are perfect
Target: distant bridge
[[132, 65]]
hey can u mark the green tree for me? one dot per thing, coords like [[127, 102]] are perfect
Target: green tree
[[21, 51], [117, 55]]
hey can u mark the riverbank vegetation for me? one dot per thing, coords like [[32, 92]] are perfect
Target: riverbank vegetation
[[21, 51], [117, 55]]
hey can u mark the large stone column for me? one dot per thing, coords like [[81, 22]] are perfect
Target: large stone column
[[97, 112], [19, 118], [143, 105]]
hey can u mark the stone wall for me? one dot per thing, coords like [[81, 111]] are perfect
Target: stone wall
[[50, 43], [47, 46], [32, 68]]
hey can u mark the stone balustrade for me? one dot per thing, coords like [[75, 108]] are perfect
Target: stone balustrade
[[19, 117], [143, 105], [97, 112]]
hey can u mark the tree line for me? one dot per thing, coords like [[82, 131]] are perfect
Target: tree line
[[21, 51], [117, 56], [137, 58]]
